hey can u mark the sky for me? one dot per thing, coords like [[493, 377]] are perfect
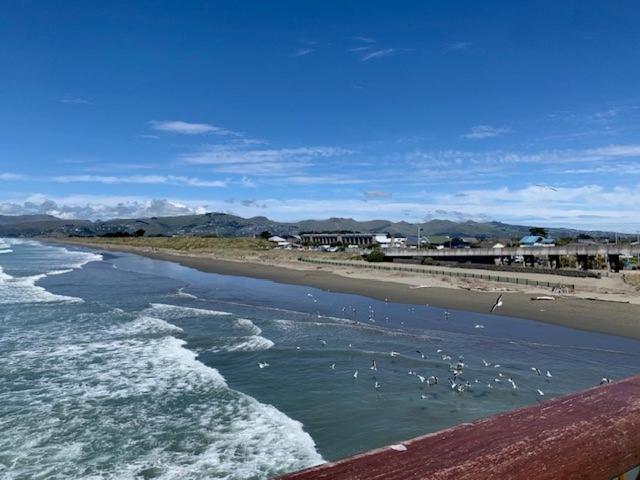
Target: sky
[[525, 113]]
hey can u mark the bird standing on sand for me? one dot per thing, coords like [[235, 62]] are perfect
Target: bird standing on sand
[[497, 304]]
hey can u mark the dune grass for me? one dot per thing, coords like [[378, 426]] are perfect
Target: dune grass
[[185, 243]]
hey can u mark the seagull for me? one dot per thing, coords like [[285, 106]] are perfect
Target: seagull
[[497, 304], [497, 365], [549, 374], [355, 375], [486, 364], [421, 378], [323, 342], [373, 365], [478, 325], [394, 354], [536, 370], [513, 384], [411, 372], [376, 386], [423, 397], [605, 381], [439, 350], [541, 393], [263, 364], [432, 380], [445, 358], [332, 366]]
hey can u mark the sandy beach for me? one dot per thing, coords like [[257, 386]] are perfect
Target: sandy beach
[[605, 305]]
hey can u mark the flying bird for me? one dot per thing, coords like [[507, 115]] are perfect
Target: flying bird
[[497, 304]]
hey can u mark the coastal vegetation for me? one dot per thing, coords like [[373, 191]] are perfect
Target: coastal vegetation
[[184, 243]]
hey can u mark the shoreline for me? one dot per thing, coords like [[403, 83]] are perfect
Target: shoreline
[[600, 316]]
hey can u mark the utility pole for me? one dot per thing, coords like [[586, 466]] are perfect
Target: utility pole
[[419, 238]]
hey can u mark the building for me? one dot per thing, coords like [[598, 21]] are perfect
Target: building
[[387, 241], [537, 241], [360, 239], [436, 241]]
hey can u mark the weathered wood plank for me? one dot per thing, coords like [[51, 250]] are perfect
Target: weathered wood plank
[[594, 434]]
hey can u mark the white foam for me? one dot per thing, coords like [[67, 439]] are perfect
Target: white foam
[[145, 324], [24, 290], [253, 343], [182, 293], [176, 311], [130, 399], [248, 325], [6, 250]]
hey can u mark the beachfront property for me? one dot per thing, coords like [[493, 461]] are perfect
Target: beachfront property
[[383, 240], [537, 241]]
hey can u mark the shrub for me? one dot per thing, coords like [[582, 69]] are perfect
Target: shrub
[[375, 256]]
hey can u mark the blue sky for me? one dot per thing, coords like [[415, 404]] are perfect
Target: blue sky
[[407, 110]]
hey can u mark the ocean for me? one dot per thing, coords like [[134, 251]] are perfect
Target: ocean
[[118, 366]]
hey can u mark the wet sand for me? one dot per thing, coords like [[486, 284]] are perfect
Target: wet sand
[[615, 318]]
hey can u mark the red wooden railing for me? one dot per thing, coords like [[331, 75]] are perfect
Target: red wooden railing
[[590, 435]]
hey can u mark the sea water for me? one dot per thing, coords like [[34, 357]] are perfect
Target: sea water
[[119, 366]]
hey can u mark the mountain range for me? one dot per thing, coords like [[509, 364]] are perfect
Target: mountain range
[[226, 225]]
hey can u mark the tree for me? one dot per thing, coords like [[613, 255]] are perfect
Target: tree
[[139, 233], [266, 235], [538, 231]]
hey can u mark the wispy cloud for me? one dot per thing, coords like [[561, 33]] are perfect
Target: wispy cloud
[[384, 52], [142, 179], [188, 128], [303, 52], [9, 177], [376, 194], [456, 46], [485, 131], [364, 39], [237, 159], [75, 101]]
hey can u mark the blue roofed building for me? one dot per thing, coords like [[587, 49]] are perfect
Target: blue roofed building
[[537, 241]]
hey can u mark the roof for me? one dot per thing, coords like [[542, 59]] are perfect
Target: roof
[[276, 239], [532, 239], [437, 239], [469, 239]]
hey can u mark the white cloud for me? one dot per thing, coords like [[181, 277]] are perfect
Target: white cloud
[[95, 207], [141, 179], [485, 131], [456, 46], [187, 128], [251, 161], [8, 177], [584, 207], [303, 52], [75, 101], [384, 52]]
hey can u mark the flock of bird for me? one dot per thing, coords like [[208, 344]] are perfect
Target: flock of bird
[[455, 371]]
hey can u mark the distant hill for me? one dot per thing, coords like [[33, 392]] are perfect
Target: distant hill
[[225, 225]]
